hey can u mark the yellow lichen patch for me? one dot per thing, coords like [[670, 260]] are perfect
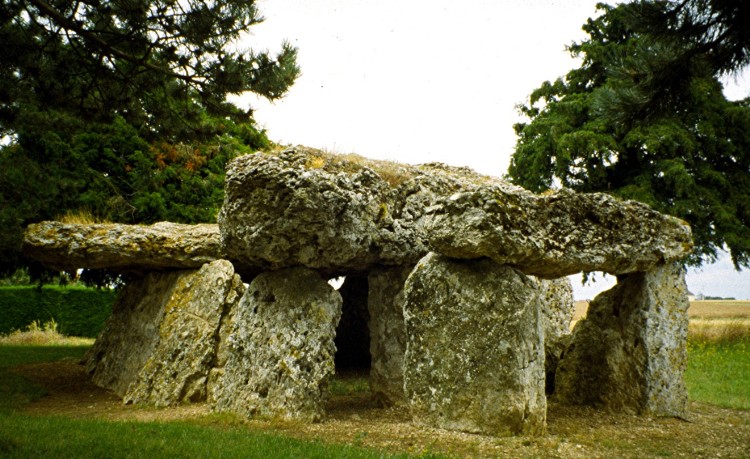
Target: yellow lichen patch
[[382, 211], [316, 162], [391, 172]]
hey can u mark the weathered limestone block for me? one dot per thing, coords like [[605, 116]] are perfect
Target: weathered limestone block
[[163, 245], [336, 213], [387, 334], [189, 337], [281, 347], [131, 333], [558, 308], [558, 234], [286, 210], [346, 214], [160, 344], [630, 352], [475, 354]]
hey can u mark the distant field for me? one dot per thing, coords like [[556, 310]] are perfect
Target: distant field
[[712, 309], [719, 309]]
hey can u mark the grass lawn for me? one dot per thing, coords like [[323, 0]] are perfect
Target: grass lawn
[[44, 437], [719, 373], [717, 376], [25, 436]]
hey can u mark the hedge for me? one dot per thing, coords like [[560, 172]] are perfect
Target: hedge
[[78, 311]]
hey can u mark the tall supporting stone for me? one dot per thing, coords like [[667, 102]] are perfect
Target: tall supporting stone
[[474, 355], [558, 308], [160, 344], [630, 352], [387, 333], [281, 347]]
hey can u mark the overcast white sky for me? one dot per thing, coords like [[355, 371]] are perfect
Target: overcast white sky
[[430, 80]]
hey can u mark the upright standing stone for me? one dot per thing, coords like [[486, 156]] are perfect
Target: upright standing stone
[[281, 347], [387, 333], [474, 354], [131, 333], [630, 352], [558, 308], [189, 336], [160, 344]]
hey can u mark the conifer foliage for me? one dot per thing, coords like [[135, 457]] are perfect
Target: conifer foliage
[[644, 118], [120, 108]]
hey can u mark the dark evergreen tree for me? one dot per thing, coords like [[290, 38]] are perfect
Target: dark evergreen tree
[[678, 42], [644, 118], [158, 64], [119, 108]]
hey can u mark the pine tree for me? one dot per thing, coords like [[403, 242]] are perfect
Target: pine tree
[[119, 108], [644, 118]]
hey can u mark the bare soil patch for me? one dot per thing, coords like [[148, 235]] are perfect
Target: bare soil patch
[[573, 432]]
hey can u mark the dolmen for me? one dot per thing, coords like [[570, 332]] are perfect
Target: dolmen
[[461, 280]]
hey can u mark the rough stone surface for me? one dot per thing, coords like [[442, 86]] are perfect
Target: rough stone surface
[[345, 214], [281, 347], [474, 355], [387, 334], [558, 308], [554, 235], [352, 333], [131, 333], [163, 245], [189, 337], [339, 214], [160, 344], [630, 352], [282, 211]]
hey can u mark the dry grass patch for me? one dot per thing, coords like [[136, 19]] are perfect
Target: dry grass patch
[[392, 172], [719, 330], [80, 217], [45, 334]]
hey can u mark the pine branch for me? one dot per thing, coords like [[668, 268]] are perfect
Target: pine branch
[[106, 47]]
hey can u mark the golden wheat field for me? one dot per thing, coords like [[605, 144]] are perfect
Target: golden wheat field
[[710, 309]]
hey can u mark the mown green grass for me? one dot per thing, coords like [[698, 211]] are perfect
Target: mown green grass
[[719, 372], [11, 356], [44, 437], [23, 436]]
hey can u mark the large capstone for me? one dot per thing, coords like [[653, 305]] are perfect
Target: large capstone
[[287, 210], [474, 357], [336, 214], [630, 352], [346, 214], [557, 234], [160, 343], [281, 350], [387, 334], [558, 308], [164, 245]]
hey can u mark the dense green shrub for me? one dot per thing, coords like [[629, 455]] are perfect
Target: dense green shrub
[[78, 311]]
